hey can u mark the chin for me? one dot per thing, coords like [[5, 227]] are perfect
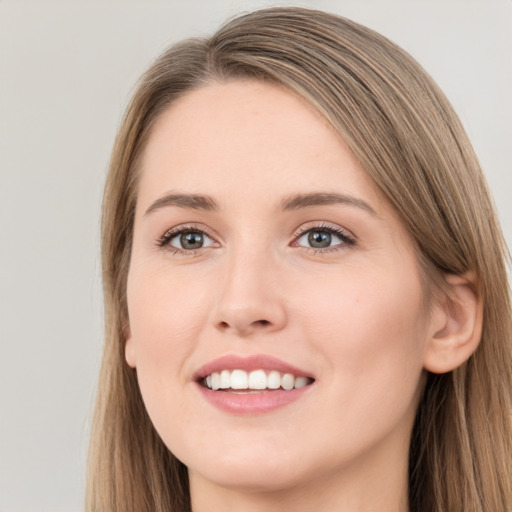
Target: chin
[[263, 479], [259, 470]]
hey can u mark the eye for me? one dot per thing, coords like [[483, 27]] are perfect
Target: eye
[[186, 239], [190, 240], [324, 237]]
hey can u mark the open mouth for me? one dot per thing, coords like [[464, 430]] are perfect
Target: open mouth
[[240, 381]]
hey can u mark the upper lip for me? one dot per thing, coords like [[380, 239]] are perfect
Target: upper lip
[[248, 363]]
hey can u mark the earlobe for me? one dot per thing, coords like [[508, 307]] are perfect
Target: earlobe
[[129, 349], [456, 324]]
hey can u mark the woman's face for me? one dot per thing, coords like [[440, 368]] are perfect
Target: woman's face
[[261, 246]]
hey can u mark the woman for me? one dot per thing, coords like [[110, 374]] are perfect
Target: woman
[[305, 285]]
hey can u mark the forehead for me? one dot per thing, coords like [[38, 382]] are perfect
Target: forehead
[[248, 139]]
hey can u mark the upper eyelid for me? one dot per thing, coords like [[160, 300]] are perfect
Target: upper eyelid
[[323, 225], [180, 228]]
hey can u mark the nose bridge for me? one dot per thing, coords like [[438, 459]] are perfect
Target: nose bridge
[[249, 297]]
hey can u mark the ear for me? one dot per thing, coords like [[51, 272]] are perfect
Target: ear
[[129, 348], [456, 325]]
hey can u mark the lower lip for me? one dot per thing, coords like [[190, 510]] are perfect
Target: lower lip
[[252, 403]]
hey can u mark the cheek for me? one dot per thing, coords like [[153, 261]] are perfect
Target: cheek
[[370, 328], [165, 311], [167, 315], [166, 318], [367, 308]]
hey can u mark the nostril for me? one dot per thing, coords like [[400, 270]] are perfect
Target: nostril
[[223, 325]]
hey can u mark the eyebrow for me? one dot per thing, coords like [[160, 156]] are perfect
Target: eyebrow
[[298, 201], [187, 201], [294, 202]]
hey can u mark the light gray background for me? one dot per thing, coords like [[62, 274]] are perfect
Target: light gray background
[[66, 72]]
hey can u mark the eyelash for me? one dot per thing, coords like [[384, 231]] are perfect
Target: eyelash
[[164, 241], [347, 240]]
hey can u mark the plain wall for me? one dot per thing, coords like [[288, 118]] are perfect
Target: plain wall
[[66, 72]]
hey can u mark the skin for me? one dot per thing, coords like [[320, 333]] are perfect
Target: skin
[[352, 314]]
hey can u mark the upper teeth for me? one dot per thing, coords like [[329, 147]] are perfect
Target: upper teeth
[[257, 379]]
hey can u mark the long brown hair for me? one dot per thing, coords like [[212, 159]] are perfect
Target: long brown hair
[[406, 135]]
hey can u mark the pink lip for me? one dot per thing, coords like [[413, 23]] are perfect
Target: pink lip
[[250, 363], [254, 402]]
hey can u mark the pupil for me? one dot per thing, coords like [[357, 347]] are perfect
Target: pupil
[[191, 240], [319, 239]]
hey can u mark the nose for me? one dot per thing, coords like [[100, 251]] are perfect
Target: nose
[[250, 299]]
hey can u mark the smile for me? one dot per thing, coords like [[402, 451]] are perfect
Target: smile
[[252, 385], [256, 380]]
